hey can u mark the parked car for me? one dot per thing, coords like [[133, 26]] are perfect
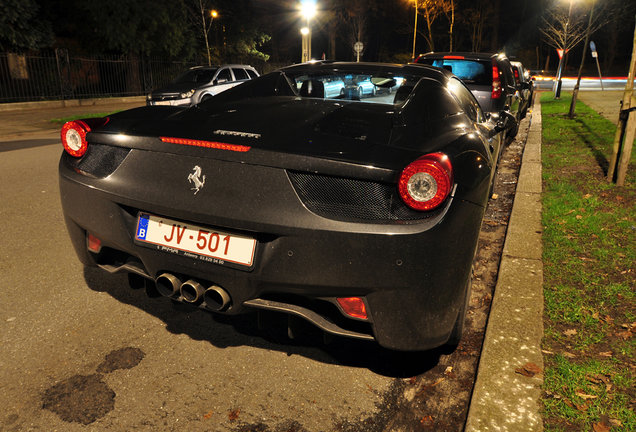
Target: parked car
[[358, 87], [360, 217], [488, 76], [366, 87], [200, 83], [333, 87], [525, 85]]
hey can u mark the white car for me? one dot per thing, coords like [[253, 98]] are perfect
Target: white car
[[200, 83]]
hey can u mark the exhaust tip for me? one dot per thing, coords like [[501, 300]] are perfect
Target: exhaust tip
[[192, 291], [168, 285], [216, 298]]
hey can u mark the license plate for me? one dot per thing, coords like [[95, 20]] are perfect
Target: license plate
[[162, 103], [195, 241]]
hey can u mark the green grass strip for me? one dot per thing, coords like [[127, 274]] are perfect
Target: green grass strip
[[589, 256], [82, 116]]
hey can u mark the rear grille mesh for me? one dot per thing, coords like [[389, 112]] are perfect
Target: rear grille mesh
[[100, 160], [350, 199]]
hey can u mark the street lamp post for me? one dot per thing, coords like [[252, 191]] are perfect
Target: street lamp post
[[215, 15], [306, 44], [414, 33], [557, 93], [307, 11]]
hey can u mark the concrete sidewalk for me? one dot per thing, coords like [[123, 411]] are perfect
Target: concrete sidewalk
[[606, 103], [504, 399], [32, 121]]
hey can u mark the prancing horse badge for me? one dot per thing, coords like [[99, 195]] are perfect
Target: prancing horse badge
[[196, 178]]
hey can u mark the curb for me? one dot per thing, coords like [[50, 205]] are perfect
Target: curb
[[23, 106], [503, 399]]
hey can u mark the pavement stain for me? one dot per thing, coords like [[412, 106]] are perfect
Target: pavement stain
[[86, 398]]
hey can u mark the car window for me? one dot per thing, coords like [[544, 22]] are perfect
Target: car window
[[507, 71], [469, 71], [251, 73], [224, 76], [466, 100], [240, 74], [196, 76]]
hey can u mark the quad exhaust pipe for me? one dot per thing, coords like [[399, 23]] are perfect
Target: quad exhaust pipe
[[168, 285], [216, 298], [192, 291]]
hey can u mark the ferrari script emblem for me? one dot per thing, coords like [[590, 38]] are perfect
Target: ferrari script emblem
[[196, 178]]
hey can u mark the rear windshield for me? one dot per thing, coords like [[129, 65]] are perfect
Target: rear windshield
[[196, 76], [379, 89], [469, 71]]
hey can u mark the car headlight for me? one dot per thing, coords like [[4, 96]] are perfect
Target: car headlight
[[187, 94]]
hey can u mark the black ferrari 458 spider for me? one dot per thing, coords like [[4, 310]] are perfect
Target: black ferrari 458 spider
[[358, 214]]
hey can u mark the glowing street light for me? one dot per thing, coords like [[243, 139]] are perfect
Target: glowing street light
[[308, 10]]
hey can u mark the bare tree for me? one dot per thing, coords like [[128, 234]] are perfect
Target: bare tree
[[355, 18], [430, 10], [449, 10], [479, 21], [565, 27], [200, 14]]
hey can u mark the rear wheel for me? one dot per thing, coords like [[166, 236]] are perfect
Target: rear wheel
[[514, 130], [458, 329]]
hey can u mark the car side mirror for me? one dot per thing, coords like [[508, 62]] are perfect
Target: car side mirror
[[506, 121]]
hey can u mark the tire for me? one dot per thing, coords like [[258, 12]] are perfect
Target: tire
[[458, 328], [360, 92], [513, 131]]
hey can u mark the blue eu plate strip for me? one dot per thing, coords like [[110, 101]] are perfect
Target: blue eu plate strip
[[142, 227]]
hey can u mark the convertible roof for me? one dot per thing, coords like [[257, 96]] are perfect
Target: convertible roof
[[317, 67]]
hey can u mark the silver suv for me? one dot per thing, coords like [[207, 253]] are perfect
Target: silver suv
[[200, 83]]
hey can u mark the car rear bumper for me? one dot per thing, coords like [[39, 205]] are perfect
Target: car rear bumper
[[411, 275]]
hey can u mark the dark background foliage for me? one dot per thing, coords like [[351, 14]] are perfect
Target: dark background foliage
[[268, 30]]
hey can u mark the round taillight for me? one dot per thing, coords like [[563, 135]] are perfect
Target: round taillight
[[74, 137], [427, 182]]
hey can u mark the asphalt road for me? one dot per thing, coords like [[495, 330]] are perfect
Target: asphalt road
[[78, 344], [81, 350], [587, 83]]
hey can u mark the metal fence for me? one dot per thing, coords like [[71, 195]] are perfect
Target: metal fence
[[58, 75]]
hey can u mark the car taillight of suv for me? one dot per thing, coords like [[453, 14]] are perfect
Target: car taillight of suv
[[496, 81]]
